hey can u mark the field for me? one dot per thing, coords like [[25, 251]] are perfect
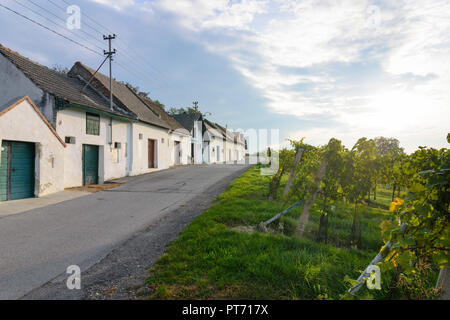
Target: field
[[218, 256]]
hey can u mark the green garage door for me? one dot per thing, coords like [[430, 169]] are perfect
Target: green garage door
[[4, 171], [90, 164], [17, 170]]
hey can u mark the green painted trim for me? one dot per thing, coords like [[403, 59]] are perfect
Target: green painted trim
[[101, 112]]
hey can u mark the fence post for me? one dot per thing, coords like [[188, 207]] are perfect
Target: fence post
[[309, 203], [298, 157]]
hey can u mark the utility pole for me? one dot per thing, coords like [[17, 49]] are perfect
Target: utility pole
[[110, 54]]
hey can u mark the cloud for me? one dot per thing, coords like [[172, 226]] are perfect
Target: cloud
[[207, 14], [117, 4], [361, 62]]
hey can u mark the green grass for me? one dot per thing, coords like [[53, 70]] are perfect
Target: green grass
[[211, 260]]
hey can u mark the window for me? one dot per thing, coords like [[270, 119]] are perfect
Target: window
[[92, 124], [162, 140], [70, 140]]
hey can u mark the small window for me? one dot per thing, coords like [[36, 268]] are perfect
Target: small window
[[70, 140], [141, 136], [162, 140], [92, 124]]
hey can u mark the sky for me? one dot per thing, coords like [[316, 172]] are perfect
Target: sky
[[314, 68]]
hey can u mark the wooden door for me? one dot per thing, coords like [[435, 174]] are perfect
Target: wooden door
[[151, 153], [17, 170]]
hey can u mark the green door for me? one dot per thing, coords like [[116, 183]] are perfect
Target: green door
[[90, 164], [17, 170], [4, 171]]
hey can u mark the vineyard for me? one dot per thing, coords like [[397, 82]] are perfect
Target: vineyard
[[372, 204]]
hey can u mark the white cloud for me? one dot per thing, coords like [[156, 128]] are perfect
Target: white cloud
[[406, 38], [285, 50], [205, 14], [116, 4]]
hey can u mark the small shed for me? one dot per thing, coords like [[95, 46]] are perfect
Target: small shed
[[31, 153]]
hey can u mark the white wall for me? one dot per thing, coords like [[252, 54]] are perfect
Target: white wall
[[112, 162], [198, 142], [23, 123], [185, 146], [216, 145], [140, 148]]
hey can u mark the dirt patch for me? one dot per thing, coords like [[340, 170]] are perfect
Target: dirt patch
[[96, 187], [245, 229]]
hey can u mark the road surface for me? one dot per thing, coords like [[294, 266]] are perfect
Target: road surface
[[37, 246]]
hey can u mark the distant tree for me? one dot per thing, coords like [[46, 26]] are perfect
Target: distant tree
[[189, 110], [366, 150], [162, 106], [387, 145], [60, 69], [144, 94], [136, 90], [173, 111]]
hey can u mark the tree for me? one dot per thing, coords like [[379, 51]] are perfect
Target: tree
[[330, 184], [387, 145], [60, 69], [189, 110], [286, 160], [162, 106], [350, 181], [314, 188], [356, 180], [136, 90], [366, 152]]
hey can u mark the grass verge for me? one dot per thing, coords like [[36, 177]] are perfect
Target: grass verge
[[211, 260]]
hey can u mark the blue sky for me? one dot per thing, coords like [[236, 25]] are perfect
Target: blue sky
[[316, 69]]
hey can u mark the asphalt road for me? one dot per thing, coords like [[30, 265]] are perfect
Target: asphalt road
[[37, 246]]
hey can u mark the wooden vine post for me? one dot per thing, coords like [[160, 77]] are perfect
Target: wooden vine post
[[298, 157], [312, 197]]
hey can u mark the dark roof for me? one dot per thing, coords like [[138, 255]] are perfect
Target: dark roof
[[61, 86], [227, 134], [187, 120], [122, 93], [174, 124], [210, 126]]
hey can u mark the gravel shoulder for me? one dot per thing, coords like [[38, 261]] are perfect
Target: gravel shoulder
[[121, 274]]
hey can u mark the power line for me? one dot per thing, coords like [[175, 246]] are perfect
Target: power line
[[126, 68], [51, 30], [93, 20], [130, 64], [84, 23], [71, 40], [126, 47], [63, 20], [37, 13]]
